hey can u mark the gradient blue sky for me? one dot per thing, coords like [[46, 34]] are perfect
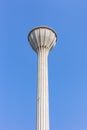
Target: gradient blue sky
[[67, 63]]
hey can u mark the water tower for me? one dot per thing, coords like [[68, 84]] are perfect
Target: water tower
[[42, 39]]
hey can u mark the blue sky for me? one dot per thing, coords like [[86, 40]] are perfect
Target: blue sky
[[67, 63]]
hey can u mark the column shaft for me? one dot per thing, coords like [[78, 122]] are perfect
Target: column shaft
[[42, 91]]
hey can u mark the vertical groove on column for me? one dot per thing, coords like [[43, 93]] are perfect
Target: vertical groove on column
[[45, 102], [44, 87], [42, 59], [45, 93], [40, 89]]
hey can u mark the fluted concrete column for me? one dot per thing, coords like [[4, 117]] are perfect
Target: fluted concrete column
[[42, 91]]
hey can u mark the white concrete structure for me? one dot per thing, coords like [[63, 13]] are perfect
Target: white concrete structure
[[42, 39]]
